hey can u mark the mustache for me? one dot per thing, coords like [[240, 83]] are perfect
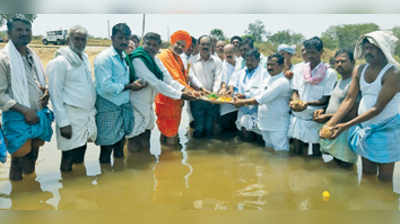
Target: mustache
[[369, 56], [205, 49]]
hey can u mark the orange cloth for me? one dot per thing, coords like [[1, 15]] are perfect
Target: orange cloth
[[167, 109], [181, 35]]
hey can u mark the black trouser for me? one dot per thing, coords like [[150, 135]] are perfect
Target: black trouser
[[227, 121], [73, 156], [106, 150], [204, 115], [301, 148]]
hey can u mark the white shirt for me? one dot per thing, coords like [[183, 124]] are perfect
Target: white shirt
[[240, 64], [70, 85], [142, 100], [226, 76], [217, 58], [227, 73], [273, 111], [249, 87], [205, 73], [168, 86], [186, 60], [308, 92]]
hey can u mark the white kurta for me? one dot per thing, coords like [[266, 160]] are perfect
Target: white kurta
[[273, 109], [142, 100], [273, 112], [73, 97], [187, 60], [249, 87], [302, 126], [227, 76]]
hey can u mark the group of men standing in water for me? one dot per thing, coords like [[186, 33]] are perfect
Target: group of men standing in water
[[304, 108]]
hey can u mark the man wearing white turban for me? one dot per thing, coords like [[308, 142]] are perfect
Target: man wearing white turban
[[287, 52], [374, 132]]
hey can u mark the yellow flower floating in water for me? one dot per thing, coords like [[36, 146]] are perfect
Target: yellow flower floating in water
[[326, 195]]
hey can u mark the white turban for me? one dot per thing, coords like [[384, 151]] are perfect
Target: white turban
[[384, 40], [289, 49]]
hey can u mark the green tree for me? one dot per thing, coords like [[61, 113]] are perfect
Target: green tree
[[257, 30], [349, 34], [248, 36], [5, 17], [286, 37], [329, 38], [345, 36], [218, 34], [396, 32]]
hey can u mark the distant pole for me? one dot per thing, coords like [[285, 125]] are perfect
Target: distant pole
[[167, 33], [108, 29], [143, 24]]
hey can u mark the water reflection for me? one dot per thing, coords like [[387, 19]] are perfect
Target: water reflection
[[24, 195], [201, 175]]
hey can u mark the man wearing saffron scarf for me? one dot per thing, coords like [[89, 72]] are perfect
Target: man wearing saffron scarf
[[150, 69], [169, 110], [312, 83]]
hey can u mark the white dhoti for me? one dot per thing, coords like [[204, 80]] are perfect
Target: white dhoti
[[278, 140], [83, 128], [143, 112], [304, 130], [248, 122]]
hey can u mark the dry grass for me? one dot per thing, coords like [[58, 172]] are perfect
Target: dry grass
[[46, 53], [91, 42]]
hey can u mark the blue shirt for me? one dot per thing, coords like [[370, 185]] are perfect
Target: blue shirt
[[248, 75], [240, 83], [112, 74]]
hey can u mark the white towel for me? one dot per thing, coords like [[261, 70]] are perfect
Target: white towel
[[19, 82], [71, 56], [385, 40]]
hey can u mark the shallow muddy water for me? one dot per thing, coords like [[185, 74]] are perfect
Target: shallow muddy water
[[229, 180]]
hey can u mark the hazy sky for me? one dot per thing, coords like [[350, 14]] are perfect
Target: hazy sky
[[198, 24]]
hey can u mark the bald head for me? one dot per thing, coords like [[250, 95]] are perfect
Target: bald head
[[229, 51], [228, 47]]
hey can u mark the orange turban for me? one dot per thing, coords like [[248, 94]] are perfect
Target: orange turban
[[181, 35]]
